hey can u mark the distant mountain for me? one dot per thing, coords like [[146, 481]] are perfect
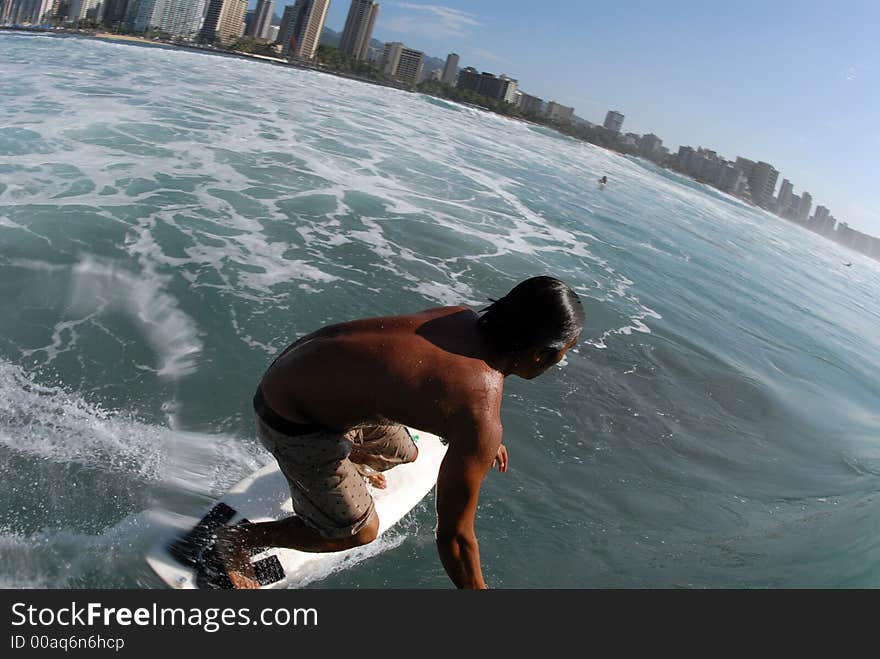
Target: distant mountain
[[332, 38], [433, 63]]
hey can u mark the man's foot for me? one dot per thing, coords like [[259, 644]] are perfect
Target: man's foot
[[375, 478], [234, 558]]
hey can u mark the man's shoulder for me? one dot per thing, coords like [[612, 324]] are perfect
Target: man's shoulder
[[480, 391], [440, 312]]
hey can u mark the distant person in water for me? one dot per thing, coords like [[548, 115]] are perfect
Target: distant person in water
[[334, 406], [603, 180]]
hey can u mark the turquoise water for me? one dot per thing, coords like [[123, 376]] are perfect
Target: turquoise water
[[170, 220]]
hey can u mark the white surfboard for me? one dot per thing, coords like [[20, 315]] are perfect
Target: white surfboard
[[265, 496]]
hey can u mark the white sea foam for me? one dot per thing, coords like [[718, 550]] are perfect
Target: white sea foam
[[169, 330], [391, 147], [71, 559], [50, 423]]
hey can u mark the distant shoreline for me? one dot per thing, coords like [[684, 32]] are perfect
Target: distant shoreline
[[210, 50], [134, 40]]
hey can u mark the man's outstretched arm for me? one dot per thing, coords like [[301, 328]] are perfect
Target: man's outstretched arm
[[467, 461]]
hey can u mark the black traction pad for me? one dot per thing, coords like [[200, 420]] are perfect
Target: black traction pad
[[189, 548], [268, 570], [210, 573], [196, 550]]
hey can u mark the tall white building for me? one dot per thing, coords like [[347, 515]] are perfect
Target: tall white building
[[509, 89], [179, 18], [450, 71], [358, 30], [230, 22]]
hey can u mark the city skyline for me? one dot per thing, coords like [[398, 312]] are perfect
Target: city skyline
[[791, 85], [796, 87]]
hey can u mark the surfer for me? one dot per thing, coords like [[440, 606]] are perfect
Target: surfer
[[603, 180], [334, 405]]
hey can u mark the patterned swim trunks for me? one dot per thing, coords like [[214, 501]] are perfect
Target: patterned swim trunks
[[328, 491]]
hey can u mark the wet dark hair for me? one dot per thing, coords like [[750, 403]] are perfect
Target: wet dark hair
[[541, 312]]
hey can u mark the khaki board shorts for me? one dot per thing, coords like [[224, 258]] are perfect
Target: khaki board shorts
[[328, 492]]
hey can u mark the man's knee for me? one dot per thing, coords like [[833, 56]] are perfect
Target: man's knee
[[368, 532]]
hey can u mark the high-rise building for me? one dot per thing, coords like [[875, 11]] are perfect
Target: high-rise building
[[304, 27], [262, 18], [745, 166], [208, 33], [762, 183], [146, 14], [131, 12], [498, 88], [402, 63], [531, 104], [230, 23], [783, 201], [732, 180], [179, 18], [558, 112], [358, 30], [114, 12], [613, 121], [82, 10], [649, 144], [450, 71], [24, 11], [391, 57], [509, 89], [43, 10], [286, 23], [803, 210], [224, 21], [823, 222]]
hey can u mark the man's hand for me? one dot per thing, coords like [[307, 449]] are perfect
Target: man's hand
[[501, 459]]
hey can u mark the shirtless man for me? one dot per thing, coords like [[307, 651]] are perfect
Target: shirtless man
[[333, 406]]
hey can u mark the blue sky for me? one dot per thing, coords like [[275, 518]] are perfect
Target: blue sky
[[796, 84]]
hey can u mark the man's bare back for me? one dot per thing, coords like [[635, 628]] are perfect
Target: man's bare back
[[428, 370]]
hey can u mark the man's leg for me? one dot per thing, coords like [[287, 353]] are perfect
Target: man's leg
[[326, 489], [379, 448], [234, 543]]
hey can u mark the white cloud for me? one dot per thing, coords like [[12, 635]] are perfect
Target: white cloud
[[430, 20], [453, 18]]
